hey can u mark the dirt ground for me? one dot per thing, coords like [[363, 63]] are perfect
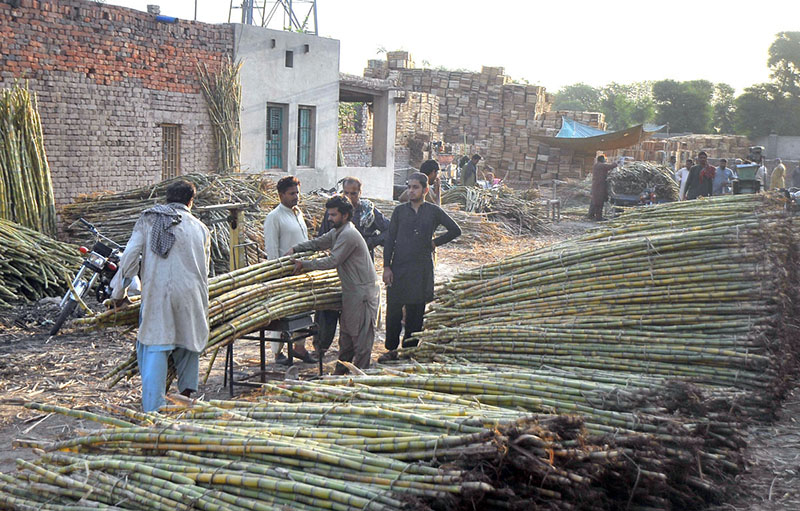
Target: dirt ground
[[69, 370]]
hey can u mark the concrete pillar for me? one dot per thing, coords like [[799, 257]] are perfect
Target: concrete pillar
[[771, 149], [384, 122]]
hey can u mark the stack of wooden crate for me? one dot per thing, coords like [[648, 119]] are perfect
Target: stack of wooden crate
[[687, 146], [418, 116], [486, 113]]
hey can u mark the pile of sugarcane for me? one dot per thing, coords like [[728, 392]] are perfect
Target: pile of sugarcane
[[26, 190], [425, 436], [240, 302], [521, 211], [699, 292], [222, 91], [677, 441], [633, 178], [115, 214], [33, 265]]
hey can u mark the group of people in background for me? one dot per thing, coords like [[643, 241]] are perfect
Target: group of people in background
[[701, 179]]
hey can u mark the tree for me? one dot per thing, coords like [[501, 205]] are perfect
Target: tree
[[784, 62], [580, 97], [627, 104], [724, 108], [622, 104], [774, 107], [685, 106], [764, 108]]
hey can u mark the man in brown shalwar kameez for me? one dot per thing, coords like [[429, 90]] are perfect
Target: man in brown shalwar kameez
[[360, 291], [599, 187]]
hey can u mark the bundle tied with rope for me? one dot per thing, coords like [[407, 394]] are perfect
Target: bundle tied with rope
[[632, 178], [692, 290], [240, 302]]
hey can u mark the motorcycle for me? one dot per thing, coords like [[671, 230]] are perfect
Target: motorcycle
[[648, 196], [792, 196], [100, 263]]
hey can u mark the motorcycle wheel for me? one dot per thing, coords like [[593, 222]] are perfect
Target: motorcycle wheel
[[66, 312]]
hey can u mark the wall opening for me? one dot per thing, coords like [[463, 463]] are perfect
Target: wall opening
[[276, 137], [355, 134], [306, 125], [289, 58], [170, 151]]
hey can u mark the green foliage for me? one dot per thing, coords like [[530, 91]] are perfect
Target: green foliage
[[724, 108], [578, 97], [774, 107], [350, 117], [784, 62], [700, 106], [765, 108], [686, 106], [623, 104], [627, 104]]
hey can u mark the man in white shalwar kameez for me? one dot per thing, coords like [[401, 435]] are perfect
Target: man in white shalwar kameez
[[175, 251], [360, 290]]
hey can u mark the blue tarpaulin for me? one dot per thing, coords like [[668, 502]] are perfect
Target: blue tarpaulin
[[574, 129], [652, 128]]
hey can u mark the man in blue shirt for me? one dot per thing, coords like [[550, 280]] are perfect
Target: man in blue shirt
[[722, 178]]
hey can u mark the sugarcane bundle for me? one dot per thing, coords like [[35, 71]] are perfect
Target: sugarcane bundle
[[634, 177], [379, 441], [240, 302], [519, 210], [33, 265], [691, 296], [679, 439], [115, 214], [26, 189], [222, 90], [695, 214]]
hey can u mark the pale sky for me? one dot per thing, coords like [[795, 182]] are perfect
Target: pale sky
[[550, 43]]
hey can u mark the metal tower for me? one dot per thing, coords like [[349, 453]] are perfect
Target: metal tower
[[293, 15]]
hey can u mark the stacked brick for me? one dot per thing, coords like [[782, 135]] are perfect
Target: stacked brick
[[486, 113], [687, 146], [551, 121], [356, 151], [106, 78], [556, 163], [418, 117], [399, 60]]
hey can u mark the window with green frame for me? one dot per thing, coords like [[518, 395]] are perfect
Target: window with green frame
[[305, 137], [274, 137]]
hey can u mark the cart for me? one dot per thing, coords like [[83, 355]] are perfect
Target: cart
[[746, 181]]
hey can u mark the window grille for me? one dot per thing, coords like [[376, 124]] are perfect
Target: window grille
[[305, 137], [170, 151], [274, 137]]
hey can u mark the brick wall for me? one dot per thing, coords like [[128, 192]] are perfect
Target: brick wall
[[418, 116], [106, 78], [356, 151]]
